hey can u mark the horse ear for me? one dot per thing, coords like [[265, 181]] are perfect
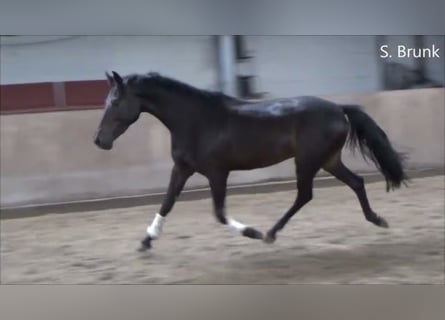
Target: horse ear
[[119, 82], [109, 78]]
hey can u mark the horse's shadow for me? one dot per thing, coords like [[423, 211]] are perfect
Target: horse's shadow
[[299, 264]]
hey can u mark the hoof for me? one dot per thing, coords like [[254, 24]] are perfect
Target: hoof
[[250, 232], [145, 244], [383, 223], [143, 248], [269, 238]]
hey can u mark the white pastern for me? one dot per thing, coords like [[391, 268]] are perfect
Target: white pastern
[[155, 229], [235, 225]]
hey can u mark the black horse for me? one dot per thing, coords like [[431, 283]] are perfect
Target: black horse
[[213, 134]]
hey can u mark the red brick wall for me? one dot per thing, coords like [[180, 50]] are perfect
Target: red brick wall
[[57, 96]]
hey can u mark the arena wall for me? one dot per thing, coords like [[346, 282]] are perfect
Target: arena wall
[[50, 157]]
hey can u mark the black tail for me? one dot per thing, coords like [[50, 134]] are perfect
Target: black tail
[[374, 144]]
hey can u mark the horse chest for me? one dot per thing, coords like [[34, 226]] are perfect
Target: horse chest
[[184, 154]]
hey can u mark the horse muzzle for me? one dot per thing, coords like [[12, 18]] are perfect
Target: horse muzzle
[[101, 143]]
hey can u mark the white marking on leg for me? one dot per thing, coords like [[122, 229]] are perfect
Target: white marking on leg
[[154, 230], [235, 225]]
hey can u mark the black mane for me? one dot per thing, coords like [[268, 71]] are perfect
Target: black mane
[[154, 79]]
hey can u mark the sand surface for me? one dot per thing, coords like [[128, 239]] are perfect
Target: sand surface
[[329, 241]]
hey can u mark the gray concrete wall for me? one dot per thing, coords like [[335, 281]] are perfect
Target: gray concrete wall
[[326, 65], [50, 157], [43, 58], [311, 65], [435, 68]]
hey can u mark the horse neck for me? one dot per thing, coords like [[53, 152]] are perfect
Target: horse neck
[[178, 113]]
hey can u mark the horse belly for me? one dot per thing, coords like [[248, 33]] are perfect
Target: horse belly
[[261, 152]]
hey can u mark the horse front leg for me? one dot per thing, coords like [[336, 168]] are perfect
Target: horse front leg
[[178, 178], [218, 187]]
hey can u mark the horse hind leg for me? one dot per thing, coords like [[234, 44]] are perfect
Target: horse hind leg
[[336, 167], [305, 176], [314, 151]]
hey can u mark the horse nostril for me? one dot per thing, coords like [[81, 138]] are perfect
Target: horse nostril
[[97, 140]]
